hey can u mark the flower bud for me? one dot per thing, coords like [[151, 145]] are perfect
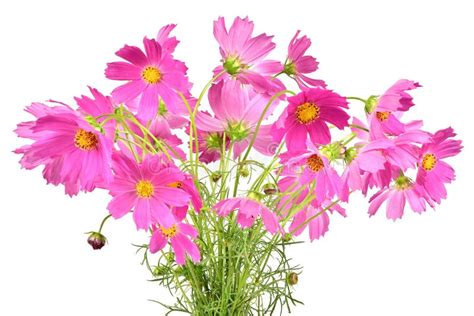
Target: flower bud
[[244, 170], [292, 278], [255, 196], [287, 237], [371, 104], [216, 176], [96, 240], [270, 188]]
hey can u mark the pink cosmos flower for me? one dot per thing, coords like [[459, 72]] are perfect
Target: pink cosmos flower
[[181, 237], [210, 143], [248, 211], [318, 217], [73, 153], [397, 195], [243, 55], [97, 106], [167, 43], [298, 64], [385, 112], [152, 77], [237, 111], [308, 114], [147, 188], [433, 172], [312, 167]]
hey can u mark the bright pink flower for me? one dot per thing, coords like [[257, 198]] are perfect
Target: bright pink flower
[[385, 112], [181, 237], [167, 43], [298, 64], [243, 55], [210, 143], [248, 211], [396, 196], [147, 188], [152, 77], [98, 106], [237, 111], [318, 217], [433, 172], [308, 114], [73, 153]]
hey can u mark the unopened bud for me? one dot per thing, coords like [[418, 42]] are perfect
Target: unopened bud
[[96, 240], [244, 171], [292, 278], [287, 237], [270, 188], [255, 196], [371, 104], [216, 176]]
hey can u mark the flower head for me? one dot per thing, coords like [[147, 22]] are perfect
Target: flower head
[[298, 64], [147, 188], [150, 77], [396, 196], [181, 237], [248, 211], [243, 55], [308, 114], [72, 151], [433, 172]]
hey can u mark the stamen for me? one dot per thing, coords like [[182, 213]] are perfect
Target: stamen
[[144, 189], [151, 75], [429, 162], [315, 163], [169, 232], [307, 113], [86, 140], [382, 116]]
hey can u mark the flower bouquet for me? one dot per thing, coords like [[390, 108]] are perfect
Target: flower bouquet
[[223, 193]]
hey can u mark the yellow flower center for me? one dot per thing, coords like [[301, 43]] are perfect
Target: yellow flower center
[[429, 162], [144, 189], [177, 185], [169, 232], [307, 112], [315, 163], [382, 116], [151, 75], [86, 140]]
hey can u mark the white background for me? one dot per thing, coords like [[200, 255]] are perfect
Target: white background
[[422, 265]]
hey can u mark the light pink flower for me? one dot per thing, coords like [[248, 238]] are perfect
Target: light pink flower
[[317, 226], [243, 56], [433, 172], [248, 211], [152, 77], [73, 153], [308, 114], [312, 167], [385, 113], [237, 111], [298, 64], [397, 195], [181, 237], [147, 188]]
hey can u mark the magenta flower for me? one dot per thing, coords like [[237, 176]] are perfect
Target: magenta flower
[[167, 43], [237, 111], [152, 77], [308, 114], [248, 211], [73, 153], [385, 111], [181, 237], [433, 172], [317, 226], [97, 106], [243, 55], [397, 195], [147, 188], [298, 64]]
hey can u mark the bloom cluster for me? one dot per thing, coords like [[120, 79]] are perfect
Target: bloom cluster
[[130, 143]]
